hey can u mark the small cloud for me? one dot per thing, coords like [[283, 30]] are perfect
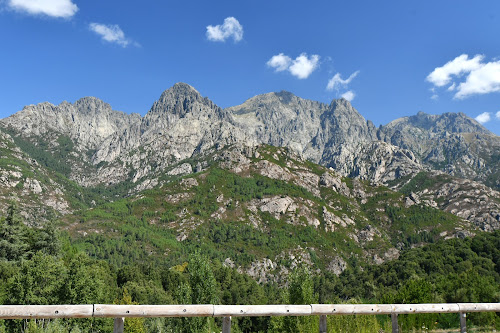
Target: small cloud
[[53, 8], [111, 33], [435, 97], [441, 76], [483, 80], [480, 77], [484, 117], [230, 28], [279, 62], [349, 95], [337, 82], [497, 115], [301, 67]]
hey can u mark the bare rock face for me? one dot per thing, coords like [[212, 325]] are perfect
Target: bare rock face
[[326, 134], [451, 142], [179, 125], [380, 162], [469, 200], [88, 121], [277, 206], [337, 265], [328, 179], [282, 119]]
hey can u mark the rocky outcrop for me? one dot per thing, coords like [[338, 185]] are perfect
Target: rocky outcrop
[[465, 198], [24, 181], [380, 163], [451, 142]]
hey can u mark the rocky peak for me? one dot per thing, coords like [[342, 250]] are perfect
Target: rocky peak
[[285, 97], [344, 124], [180, 100], [88, 121], [91, 106], [447, 122]]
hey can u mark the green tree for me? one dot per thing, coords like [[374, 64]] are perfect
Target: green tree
[[300, 291], [89, 281], [202, 289], [131, 325], [41, 280], [13, 245]]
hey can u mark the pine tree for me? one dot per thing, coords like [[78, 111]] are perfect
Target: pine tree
[[13, 245]]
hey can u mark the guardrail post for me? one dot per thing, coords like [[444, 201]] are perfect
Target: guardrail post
[[118, 326], [463, 328], [395, 326], [226, 325], [322, 324]]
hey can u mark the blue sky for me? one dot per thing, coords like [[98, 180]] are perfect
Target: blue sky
[[392, 58]]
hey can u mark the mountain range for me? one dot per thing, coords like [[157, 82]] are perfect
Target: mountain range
[[72, 160], [110, 146]]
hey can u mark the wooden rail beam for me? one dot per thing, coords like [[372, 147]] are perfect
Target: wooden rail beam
[[119, 312], [45, 311], [261, 310], [148, 311]]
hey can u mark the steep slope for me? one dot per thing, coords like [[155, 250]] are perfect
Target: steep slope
[[334, 135], [263, 210], [70, 132], [451, 142], [179, 125], [88, 121], [282, 119], [322, 133], [22, 180], [464, 198]]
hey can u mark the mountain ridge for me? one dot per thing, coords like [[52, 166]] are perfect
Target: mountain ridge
[[111, 146]]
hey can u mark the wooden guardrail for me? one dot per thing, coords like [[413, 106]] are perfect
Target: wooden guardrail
[[120, 312]]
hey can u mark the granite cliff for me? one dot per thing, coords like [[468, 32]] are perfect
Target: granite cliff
[[98, 147]]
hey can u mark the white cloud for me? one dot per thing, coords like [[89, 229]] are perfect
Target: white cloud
[[441, 76], [480, 77], [111, 33], [497, 115], [230, 28], [435, 97], [483, 117], [301, 67], [53, 8], [349, 95], [280, 62], [483, 80], [336, 81]]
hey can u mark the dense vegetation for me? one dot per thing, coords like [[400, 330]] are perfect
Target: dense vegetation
[[128, 251], [38, 266]]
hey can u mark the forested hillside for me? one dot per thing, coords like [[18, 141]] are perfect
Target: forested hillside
[[42, 267]]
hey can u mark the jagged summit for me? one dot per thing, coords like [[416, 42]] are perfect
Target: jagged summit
[[179, 100], [91, 104], [180, 89], [450, 122], [182, 123]]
